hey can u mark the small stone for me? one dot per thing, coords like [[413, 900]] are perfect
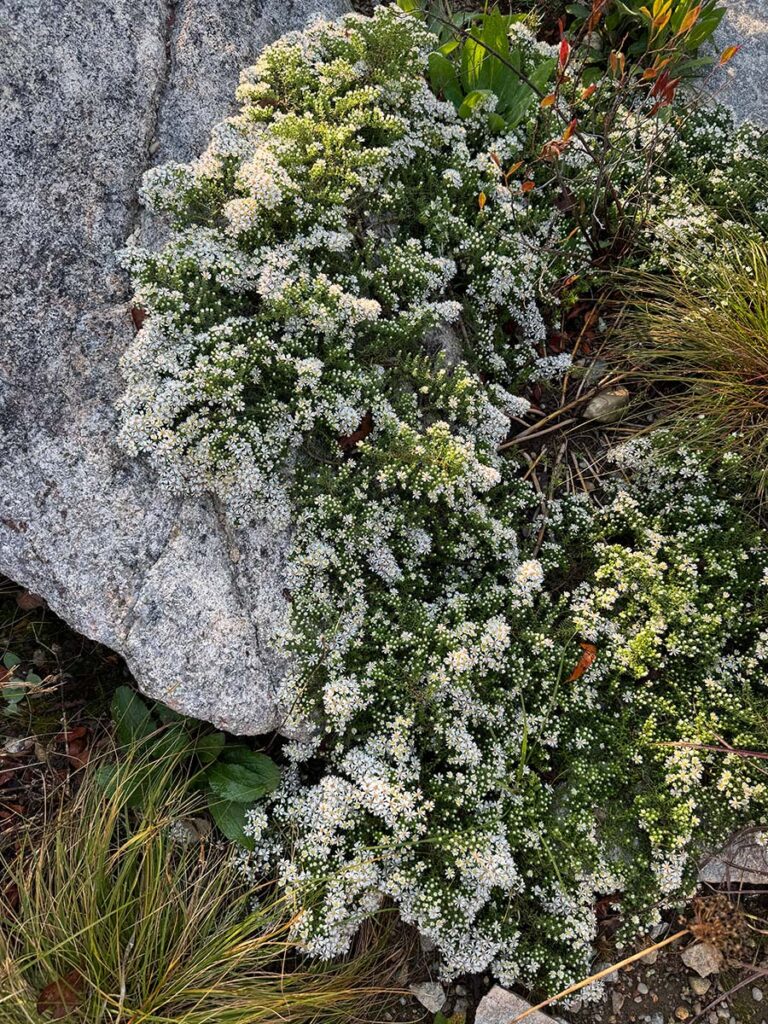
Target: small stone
[[18, 745], [757, 994], [642, 988], [608, 405], [501, 1006], [617, 1001], [682, 1013], [702, 957], [430, 994], [700, 986]]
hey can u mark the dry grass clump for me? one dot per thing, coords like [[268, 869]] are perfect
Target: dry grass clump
[[121, 915], [697, 344]]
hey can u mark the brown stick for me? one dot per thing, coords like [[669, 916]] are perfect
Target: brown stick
[[600, 974]]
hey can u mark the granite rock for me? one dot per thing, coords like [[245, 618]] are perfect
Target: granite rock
[[91, 95], [743, 861], [501, 1006], [742, 84]]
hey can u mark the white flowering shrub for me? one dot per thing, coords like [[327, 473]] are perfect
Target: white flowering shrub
[[509, 716], [507, 738], [323, 234]]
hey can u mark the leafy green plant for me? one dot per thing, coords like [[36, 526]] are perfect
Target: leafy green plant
[[487, 60], [113, 915], [228, 773], [645, 27], [697, 343], [15, 684]]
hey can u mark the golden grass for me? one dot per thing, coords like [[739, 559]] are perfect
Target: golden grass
[[119, 923]]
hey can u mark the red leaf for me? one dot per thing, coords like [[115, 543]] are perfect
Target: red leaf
[[588, 656], [28, 601], [350, 442], [138, 315], [62, 996], [565, 52]]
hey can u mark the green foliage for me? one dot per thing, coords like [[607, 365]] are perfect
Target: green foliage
[[230, 775], [506, 704], [16, 686], [489, 59], [644, 29], [127, 913]]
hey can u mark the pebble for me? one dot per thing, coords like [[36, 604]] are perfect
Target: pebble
[[608, 405], [702, 957], [18, 746], [642, 988], [682, 1013], [757, 994], [430, 994], [700, 986], [617, 1001]]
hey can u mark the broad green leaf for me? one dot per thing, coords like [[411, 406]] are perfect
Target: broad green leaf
[[229, 816], [11, 660], [254, 761], [444, 78], [167, 715], [472, 56], [133, 721], [472, 99], [542, 73], [209, 746], [242, 785]]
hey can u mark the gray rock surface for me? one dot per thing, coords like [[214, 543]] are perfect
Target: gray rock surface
[[743, 83], [91, 94], [743, 861], [501, 1006]]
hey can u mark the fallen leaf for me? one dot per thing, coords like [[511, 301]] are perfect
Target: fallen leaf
[[11, 895], [350, 442], [28, 601], [589, 653], [62, 996], [76, 745], [138, 315]]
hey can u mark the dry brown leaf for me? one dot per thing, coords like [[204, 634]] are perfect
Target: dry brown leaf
[[62, 996]]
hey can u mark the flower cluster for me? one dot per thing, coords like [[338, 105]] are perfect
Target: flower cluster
[[503, 716], [478, 770], [325, 232]]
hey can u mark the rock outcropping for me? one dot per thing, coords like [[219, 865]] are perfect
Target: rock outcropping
[[742, 84], [92, 94]]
